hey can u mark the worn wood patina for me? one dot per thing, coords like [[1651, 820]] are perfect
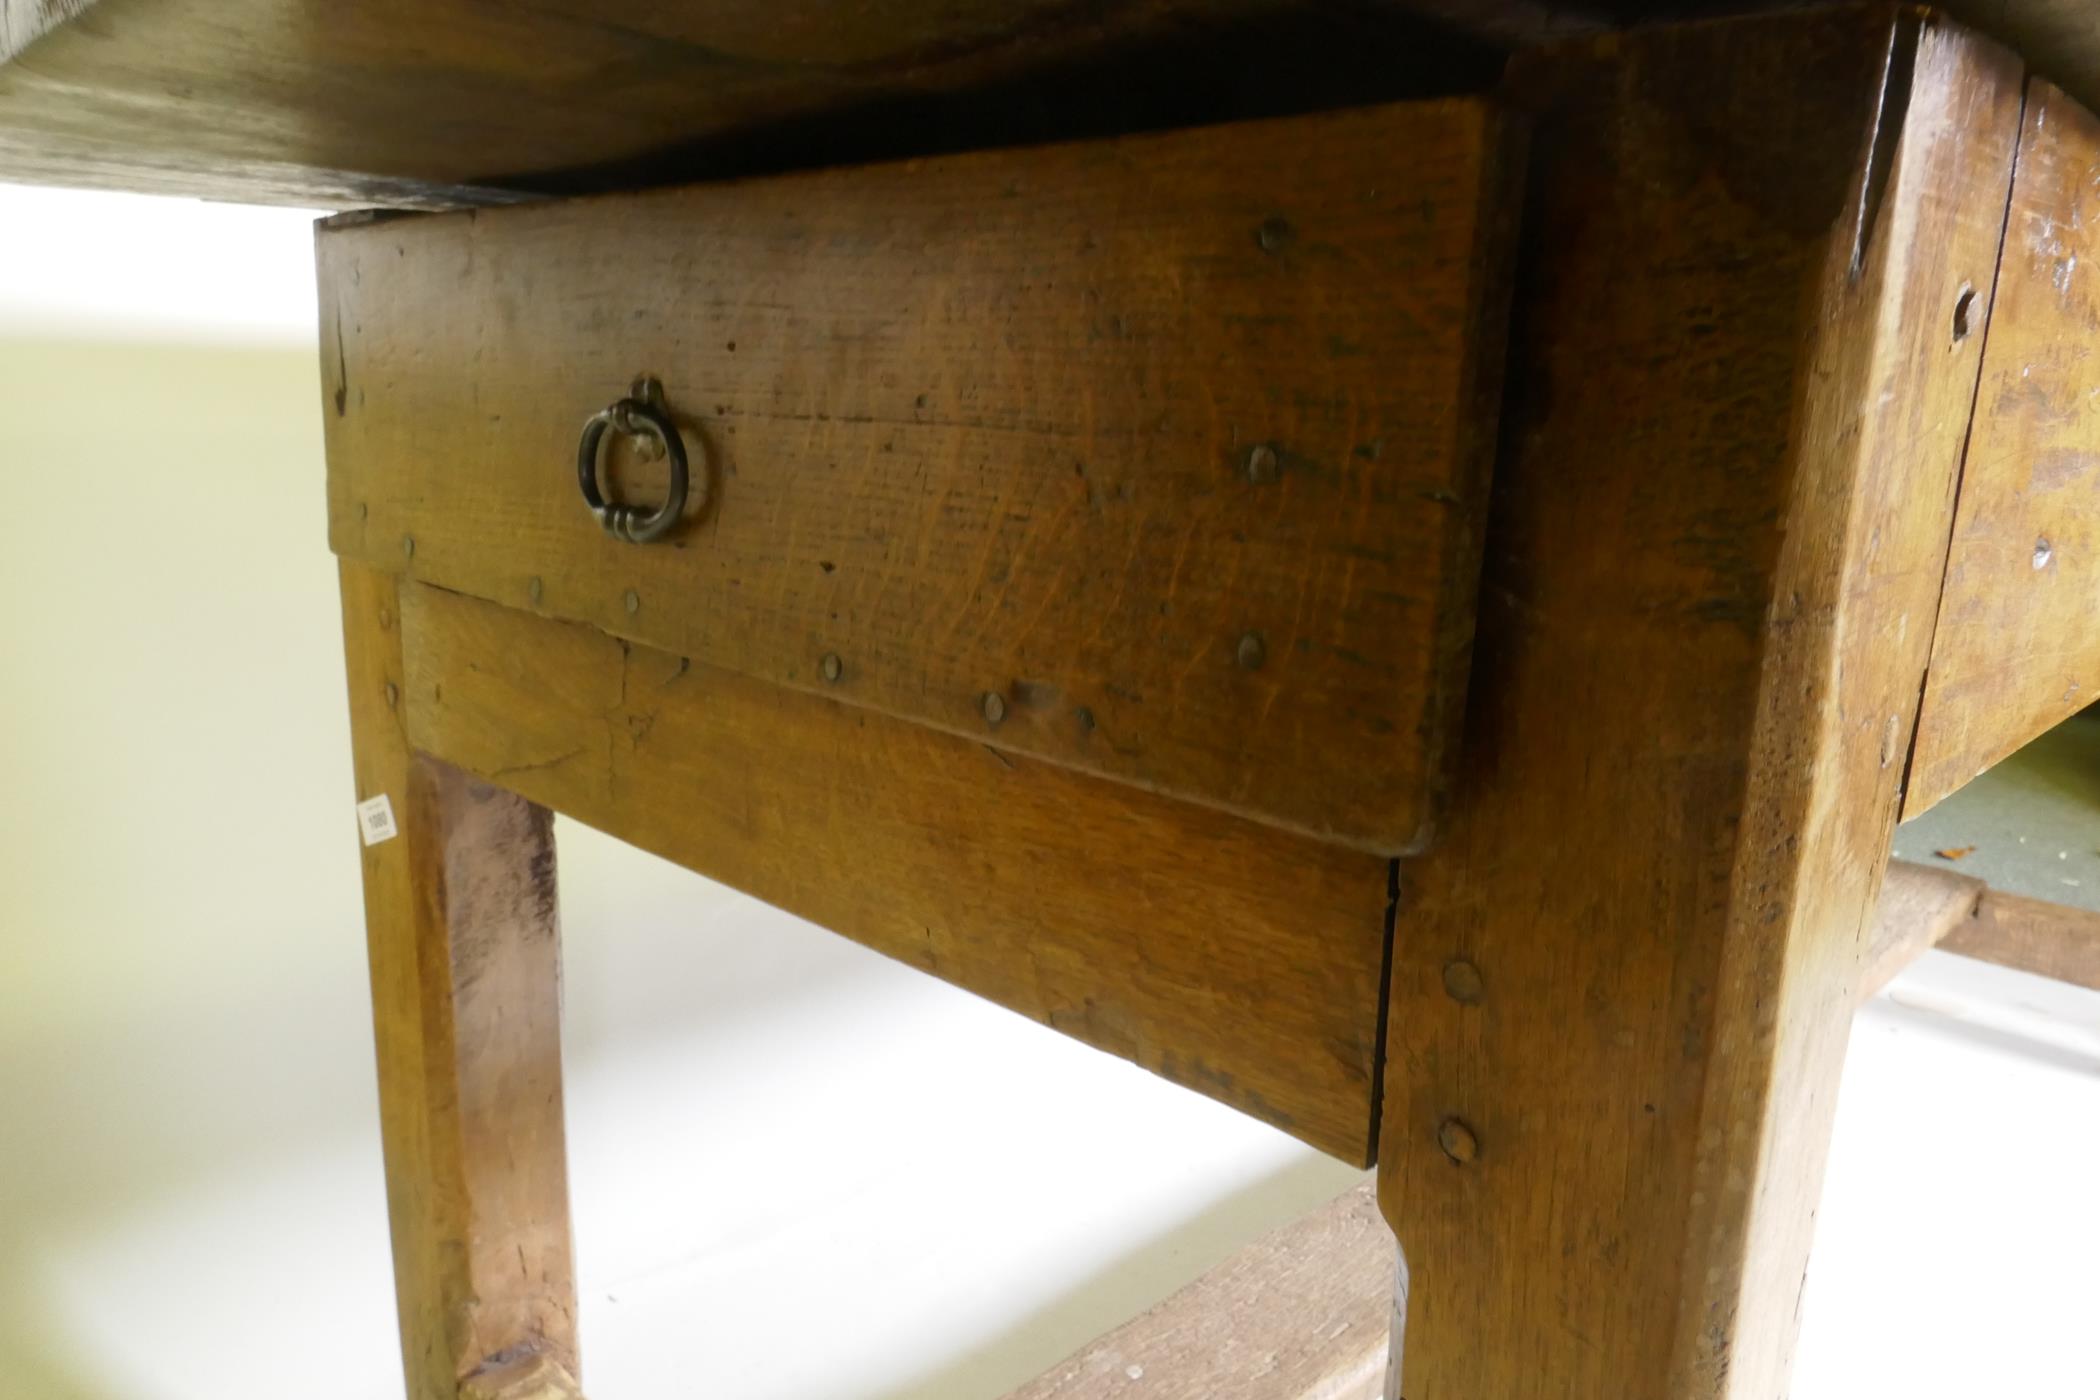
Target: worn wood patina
[[1090, 541], [1624, 979], [1235, 959], [1163, 458], [2017, 649]]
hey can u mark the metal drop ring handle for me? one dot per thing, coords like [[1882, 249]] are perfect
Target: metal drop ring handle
[[641, 414]]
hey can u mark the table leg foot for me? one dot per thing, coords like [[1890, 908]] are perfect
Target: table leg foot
[[533, 1377]]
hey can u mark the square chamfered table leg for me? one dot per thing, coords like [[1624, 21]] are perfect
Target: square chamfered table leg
[[1758, 260], [465, 959]]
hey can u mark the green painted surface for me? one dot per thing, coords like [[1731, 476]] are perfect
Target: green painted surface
[[2033, 821]]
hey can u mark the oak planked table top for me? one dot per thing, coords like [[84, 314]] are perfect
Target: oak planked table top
[[448, 103]]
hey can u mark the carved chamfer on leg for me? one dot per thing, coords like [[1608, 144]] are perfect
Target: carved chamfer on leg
[[1736, 409], [536, 1376], [465, 963]]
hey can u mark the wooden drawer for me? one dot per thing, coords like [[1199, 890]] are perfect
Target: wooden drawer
[[1160, 458]]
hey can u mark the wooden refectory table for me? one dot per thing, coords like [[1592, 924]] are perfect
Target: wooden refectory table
[[1395, 566]]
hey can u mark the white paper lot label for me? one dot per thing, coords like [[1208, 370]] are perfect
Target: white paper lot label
[[375, 818]]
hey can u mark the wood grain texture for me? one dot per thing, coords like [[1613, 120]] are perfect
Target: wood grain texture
[[1925, 907], [1231, 958], [2057, 37], [1300, 1314], [983, 426], [2017, 649], [1919, 906], [446, 103], [2034, 935], [535, 1376], [465, 958], [1624, 979]]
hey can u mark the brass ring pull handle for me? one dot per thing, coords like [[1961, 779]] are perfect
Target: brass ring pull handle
[[641, 414]]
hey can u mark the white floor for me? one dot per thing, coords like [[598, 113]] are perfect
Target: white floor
[[799, 1171]]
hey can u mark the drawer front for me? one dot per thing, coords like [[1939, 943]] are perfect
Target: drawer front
[[2017, 646], [1162, 458]]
